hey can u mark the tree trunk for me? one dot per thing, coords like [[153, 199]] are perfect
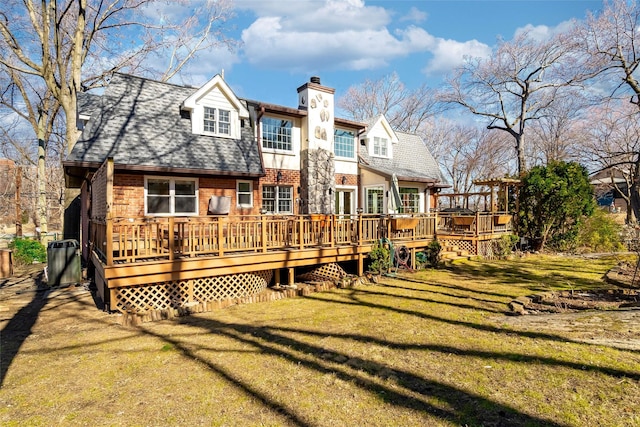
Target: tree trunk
[[633, 211], [522, 163], [43, 224]]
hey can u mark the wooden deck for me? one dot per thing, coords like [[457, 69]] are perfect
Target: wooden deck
[[138, 252]]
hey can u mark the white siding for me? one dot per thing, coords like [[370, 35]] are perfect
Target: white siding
[[215, 99]]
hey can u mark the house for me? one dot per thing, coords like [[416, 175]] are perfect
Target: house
[[611, 185], [190, 195], [182, 151]]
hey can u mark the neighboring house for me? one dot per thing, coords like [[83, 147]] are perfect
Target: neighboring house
[[610, 184], [183, 151]]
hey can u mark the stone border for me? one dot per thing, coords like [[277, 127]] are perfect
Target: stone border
[[566, 301]]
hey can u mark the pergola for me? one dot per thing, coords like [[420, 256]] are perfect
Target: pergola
[[494, 200]]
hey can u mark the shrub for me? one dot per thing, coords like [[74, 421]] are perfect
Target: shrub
[[380, 258], [600, 233], [432, 254], [27, 251], [554, 199], [504, 246]]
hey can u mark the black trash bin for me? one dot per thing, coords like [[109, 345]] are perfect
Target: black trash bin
[[63, 262]]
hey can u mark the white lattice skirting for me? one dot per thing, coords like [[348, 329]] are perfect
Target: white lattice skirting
[[176, 294]]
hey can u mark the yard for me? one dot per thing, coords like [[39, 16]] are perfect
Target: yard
[[430, 348]]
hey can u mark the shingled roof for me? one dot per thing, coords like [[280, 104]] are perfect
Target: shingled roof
[[139, 123], [411, 161]]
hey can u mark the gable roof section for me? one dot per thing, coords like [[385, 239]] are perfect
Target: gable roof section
[[87, 104], [139, 124], [217, 81], [381, 121], [411, 161]]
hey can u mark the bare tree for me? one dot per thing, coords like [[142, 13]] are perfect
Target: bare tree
[[406, 110], [467, 152], [556, 135], [517, 84], [72, 46], [613, 146], [610, 39]]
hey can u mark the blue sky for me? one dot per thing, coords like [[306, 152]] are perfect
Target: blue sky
[[344, 42], [284, 42]]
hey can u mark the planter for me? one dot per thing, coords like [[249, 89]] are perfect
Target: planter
[[404, 223], [501, 219], [463, 220], [320, 218]]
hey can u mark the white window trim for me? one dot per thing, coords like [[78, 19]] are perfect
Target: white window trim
[[277, 150], [172, 182], [277, 199], [238, 192], [355, 151], [366, 196], [387, 146], [217, 122]]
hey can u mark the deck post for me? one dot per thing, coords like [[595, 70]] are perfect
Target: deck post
[[171, 234], [301, 231], [264, 233], [360, 265], [220, 236], [387, 226], [477, 224], [190, 290], [332, 234], [359, 230], [277, 277], [109, 240], [291, 279]]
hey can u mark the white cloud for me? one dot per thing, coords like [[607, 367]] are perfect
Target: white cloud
[[332, 35], [448, 54], [544, 32], [414, 15], [208, 64], [312, 36]]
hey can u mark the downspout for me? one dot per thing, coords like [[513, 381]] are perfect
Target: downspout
[[259, 141], [359, 200]]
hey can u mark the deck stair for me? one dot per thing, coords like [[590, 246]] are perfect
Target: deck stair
[[452, 253]]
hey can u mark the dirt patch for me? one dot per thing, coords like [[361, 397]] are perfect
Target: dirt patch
[[626, 294], [575, 300], [608, 317]]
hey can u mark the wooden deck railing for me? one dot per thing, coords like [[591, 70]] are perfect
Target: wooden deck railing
[[122, 240]]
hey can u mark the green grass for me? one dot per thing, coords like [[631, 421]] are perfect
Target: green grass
[[436, 349]]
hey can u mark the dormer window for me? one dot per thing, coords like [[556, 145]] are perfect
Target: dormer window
[[216, 121], [380, 146]]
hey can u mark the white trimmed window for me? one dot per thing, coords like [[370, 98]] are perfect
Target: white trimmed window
[[217, 121], [375, 200], [244, 192], [410, 200], [344, 143], [276, 133], [277, 199], [171, 196], [380, 146]]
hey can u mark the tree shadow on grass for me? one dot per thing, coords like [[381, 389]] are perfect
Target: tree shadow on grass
[[405, 278], [20, 326], [354, 300], [446, 294], [434, 301], [410, 391], [510, 274]]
